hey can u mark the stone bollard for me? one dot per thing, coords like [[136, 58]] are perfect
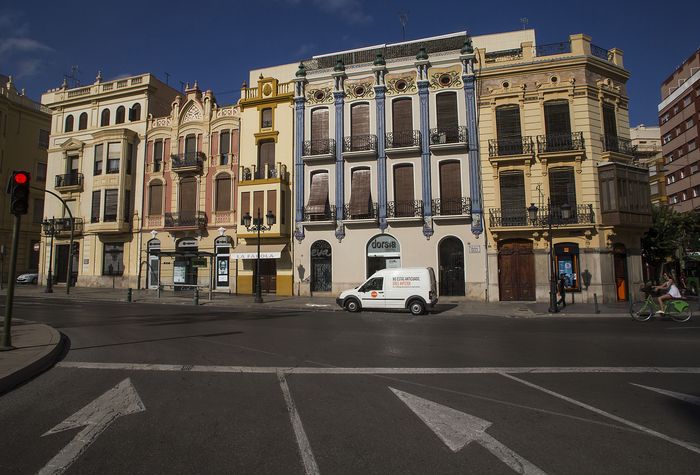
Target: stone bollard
[[159, 289], [195, 300], [595, 304], [129, 294]]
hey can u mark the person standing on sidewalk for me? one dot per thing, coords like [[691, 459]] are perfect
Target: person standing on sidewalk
[[561, 288]]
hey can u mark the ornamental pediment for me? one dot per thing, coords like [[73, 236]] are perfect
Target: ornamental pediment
[[72, 144], [192, 112]]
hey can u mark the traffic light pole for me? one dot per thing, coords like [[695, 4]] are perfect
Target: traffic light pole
[[7, 329]]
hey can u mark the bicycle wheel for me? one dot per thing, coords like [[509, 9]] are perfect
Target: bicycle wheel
[[680, 311], [641, 311]]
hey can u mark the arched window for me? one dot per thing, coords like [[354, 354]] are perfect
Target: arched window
[[82, 121], [69, 124], [104, 118], [223, 193], [155, 199], [135, 112], [119, 119]]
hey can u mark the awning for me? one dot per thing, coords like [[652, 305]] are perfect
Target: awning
[[250, 251]]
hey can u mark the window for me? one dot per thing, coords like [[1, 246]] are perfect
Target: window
[[513, 207], [689, 124], [190, 145], [450, 188], [404, 204], [135, 112], [43, 138], [127, 205], [38, 212], [359, 127], [693, 169], [272, 201], [666, 138], [41, 171], [318, 203], [113, 155], [119, 116], [95, 212], [258, 205], [695, 192], [447, 121], [665, 118], [609, 122], [691, 145], [129, 157], [245, 204], [684, 196], [562, 189], [652, 170], [266, 118], [687, 100], [224, 146], [82, 121], [223, 193], [508, 132], [69, 124], [188, 196], [556, 118], [99, 157], [155, 199], [72, 164], [654, 187], [319, 131], [111, 205], [402, 122], [113, 258], [360, 194], [682, 173], [104, 118], [157, 155], [376, 283], [266, 156]]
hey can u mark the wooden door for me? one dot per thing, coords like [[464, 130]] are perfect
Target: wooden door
[[620, 268], [516, 271], [268, 275]]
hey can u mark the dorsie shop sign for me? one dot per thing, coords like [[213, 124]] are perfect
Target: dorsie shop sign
[[383, 246]]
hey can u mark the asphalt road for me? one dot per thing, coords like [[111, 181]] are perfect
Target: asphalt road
[[179, 389]]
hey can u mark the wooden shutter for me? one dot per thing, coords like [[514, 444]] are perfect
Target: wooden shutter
[[190, 144], [508, 122], [245, 204], [272, 201], [104, 118], [111, 204], [82, 121], [225, 142], [318, 196], [155, 199], [283, 208], [215, 143], [360, 192], [95, 213], [513, 207], [166, 148], [359, 119], [556, 117], [188, 196], [609, 122], [446, 105], [450, 188], [127, 205], [258, 204], [403, 183], [319, 124], [402, 115], [562, 187], [267, 157], [223, 193], [181, 146]]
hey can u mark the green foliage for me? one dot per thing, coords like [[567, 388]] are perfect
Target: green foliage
[[672, 234]]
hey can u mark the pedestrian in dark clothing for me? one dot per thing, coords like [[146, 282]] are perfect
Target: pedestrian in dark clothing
[[561, 288]]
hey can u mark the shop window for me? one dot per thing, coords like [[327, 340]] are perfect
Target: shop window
[[113, 258], [567, 263]]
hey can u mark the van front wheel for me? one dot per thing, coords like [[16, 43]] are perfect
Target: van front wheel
[[352, 305], [416, 307]]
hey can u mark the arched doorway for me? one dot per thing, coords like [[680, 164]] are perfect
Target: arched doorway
[[620, 269], [383, 252], [516, 270], [153, 263], [451, 253], [223, 251], [321, 270]]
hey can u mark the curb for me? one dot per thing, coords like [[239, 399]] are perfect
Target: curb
[[40, 364]]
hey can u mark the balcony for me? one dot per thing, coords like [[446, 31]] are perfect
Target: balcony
[[69, 182], [452, 208], [187, 162], [405, 210], [185, 220], [223, 218], [250, 174], [327, 216], [556, 143], [403, 141], [366, 214], [449, 138], [322, 149], [154, 222], [511, 146], [62, 226], [551, 49], [360, 146], [518, 217], [615, 144]]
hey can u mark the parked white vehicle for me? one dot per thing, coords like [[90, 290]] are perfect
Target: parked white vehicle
[[411, 288]]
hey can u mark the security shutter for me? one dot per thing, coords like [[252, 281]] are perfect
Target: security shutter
[[223, 193], [188, 196], [513, 207], [450, 188], [95, 212], [267, 157], [446, 105], [403, 190], [318, 196], [562, 187], [556, 118], [155, 199], [360, 194], [245, 204], [272, 202], [111, 204]]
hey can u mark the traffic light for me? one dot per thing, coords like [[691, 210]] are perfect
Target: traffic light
[[18, 189]]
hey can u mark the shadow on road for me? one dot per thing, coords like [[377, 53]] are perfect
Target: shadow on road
[[152, 340], [443, 307]]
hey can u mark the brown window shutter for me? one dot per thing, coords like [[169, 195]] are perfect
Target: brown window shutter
[[508, 122], [319, 124], [188, 195], [513, 207], [111, 204], [258, 204], [225, 141], [403, 184], [267, 156], [166, 148], [245, 204], [272, 202], [359, 119], [223, 193], [446, 105], [318, 196], [562, 187], [155, 199], [402, 114], [96, 198], [556, 117], [450, 180], [360, 194], [190, 144], [149, 151], [215, 143]]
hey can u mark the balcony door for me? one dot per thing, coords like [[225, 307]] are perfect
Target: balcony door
[[450, 188], [510, 140], [190, 145], [402, 122], [513, 207], [562, 190], [403, 190], [447, 122], [557, 123], [266, 157], [319, 131], [188, 198], [359, 126]]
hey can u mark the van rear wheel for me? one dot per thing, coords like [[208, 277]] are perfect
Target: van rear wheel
[[352, 305], [416, 307]]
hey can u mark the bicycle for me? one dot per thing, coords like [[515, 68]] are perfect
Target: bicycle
[[678, 309]]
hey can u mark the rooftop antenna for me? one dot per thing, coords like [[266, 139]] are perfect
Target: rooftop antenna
[[403, 19], [73, 76], [524, 21], [167, 78]]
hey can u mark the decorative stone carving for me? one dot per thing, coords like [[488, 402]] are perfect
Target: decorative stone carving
[[192, 113], [445, 79], [359, 90], [321, 95], [401, 85]]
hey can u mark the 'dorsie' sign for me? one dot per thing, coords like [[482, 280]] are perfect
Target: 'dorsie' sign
[[383, 246]]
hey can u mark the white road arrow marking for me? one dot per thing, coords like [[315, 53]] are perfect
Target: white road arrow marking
[[683, 397], [457, 429], [119, 401]]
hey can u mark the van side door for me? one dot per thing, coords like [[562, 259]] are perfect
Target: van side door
[[372, 293]]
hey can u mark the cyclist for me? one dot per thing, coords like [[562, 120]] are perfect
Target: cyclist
[[671, 291]]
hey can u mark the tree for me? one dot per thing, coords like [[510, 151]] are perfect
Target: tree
[[672, 235]]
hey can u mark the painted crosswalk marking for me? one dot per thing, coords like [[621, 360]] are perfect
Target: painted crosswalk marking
[[683, 397]]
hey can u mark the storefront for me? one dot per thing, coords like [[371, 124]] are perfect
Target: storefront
[[383, 252], [269, 254], [222, 266], [153, 263], [567, 264]]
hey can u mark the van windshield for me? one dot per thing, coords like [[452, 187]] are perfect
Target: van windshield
[[376, 283]]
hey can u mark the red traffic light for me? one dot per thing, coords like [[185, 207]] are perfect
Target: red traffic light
[[21, 178]]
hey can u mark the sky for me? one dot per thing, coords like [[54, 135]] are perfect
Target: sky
[[218, 42]]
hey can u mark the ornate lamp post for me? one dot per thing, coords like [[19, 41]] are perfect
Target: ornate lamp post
[[49, 226], [564, 218], [257, 225]]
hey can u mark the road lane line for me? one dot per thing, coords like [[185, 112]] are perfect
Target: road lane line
[[680, 443], [683, 397], [307, 456], [377, 370]]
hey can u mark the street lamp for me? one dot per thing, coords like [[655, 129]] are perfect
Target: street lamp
[[49, 226], [564, 217], [257, 225]]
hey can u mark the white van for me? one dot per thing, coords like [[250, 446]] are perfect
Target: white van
[[405, 288]]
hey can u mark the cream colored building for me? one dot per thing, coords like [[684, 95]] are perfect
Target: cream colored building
[[647, 151], [555, 146], [24, 138], [190, 194], [96, 157]]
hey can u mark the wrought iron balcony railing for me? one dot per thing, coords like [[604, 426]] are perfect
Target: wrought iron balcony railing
[[613, 143], [187, 160], [319, 147], [551, 49], [403, 138], [405, 209], [461, 206], [370, 212], [560, 142], [63, 226], [328, 214], [506, 217], [447, 135], [511, 146], [69, 179], [360, 143], [188, 219], [599, 52]]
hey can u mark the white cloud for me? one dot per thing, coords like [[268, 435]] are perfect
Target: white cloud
[[21, 45], [24, 56], [28, 67]]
